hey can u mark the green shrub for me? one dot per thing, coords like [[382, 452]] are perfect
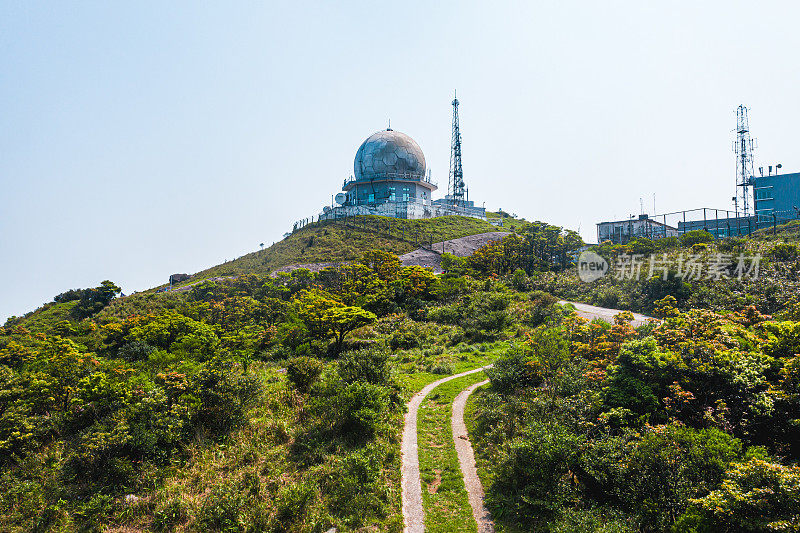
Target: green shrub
[[731, 244], [666, 243], [697, 236], [303, 372], [404, 339], [784, 251], [135, 351], [368, 366], [515, 370], [642, 245], [530, 483]]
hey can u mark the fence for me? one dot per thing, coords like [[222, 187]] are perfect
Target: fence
[[720, 223], [388, 228]]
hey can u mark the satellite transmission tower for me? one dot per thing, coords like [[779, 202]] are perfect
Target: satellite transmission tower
[[743, 148], [455, 184]]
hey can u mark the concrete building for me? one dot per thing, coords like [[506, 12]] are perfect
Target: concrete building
[[390, 179], [623, 231]]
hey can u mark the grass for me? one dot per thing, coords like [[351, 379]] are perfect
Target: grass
[[444, 496], [789, 232], [44, 319], [509, 223], [413, 379], [329, 242]]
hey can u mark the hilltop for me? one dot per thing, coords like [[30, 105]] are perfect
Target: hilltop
[[335, 241]]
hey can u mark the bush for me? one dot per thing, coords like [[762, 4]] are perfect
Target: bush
[[367, 366], [515, 370], [670, 465], [756, 496], [303, 372], [530, 483], [357, 410], [731, 244], [667, 243], [697, 236], [135, 351], [784, 251], [642, 245]]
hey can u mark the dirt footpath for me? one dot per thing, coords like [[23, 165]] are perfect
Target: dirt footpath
[[466, 459], [410, 482]]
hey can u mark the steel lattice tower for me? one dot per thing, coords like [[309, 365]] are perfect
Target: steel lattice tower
[[455, 184], [743, 148]]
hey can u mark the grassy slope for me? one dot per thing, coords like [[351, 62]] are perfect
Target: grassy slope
[[316, 243], [789, 232], [329, 242]]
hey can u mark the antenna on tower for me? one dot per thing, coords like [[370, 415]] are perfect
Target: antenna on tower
[[455, 183], [743, 148]]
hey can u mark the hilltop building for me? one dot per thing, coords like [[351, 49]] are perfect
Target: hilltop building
[[776, 194], [390, 179], [623, 231]]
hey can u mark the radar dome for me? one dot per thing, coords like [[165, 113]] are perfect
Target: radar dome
[[389, 154]]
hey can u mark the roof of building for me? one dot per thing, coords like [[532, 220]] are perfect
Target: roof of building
[[386, 154]]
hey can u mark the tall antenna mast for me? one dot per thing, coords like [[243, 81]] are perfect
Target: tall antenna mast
[[455, 182], [743, 148]]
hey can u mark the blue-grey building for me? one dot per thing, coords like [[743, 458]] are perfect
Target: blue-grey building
[[778, 194]]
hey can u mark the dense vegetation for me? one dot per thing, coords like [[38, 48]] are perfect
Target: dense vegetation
[[775, 288], [690, 425], [275, 404]]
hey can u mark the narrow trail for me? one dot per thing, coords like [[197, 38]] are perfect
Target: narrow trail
[[411, 484], [605, 314], [466, 459]]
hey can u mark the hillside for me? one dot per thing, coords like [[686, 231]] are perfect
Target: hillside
[[333, 241], [258, 403]]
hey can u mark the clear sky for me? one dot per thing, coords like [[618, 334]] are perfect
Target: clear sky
[[143, 139]]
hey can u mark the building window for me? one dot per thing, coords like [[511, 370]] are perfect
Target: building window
[[371, 198], [405, 193], [764, 193], [392, 196]]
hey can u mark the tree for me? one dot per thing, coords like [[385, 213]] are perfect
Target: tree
[[94, 300], [343, 320], [754, 496], [325, 317]]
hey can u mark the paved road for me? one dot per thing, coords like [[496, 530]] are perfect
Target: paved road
[[603, 313], [411, 485], [466, 459]]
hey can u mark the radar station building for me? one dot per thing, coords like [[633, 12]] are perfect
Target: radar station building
[[390, 179]]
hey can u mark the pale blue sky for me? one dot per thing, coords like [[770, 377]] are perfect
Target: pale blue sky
[[142, 139]]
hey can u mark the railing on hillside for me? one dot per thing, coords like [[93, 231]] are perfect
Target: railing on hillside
[[390, 229], [720, 223]]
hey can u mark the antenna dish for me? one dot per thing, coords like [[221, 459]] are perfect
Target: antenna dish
[[340, 198], [326, 209]]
